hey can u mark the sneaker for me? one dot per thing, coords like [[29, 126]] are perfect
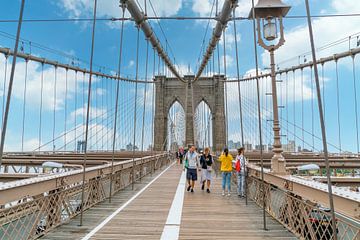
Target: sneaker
[[208, 190], [228, 194], [192, 190], [188, 188], [202, 186], [223, 193]]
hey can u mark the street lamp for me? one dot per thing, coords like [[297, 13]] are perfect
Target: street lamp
[[268, 15]]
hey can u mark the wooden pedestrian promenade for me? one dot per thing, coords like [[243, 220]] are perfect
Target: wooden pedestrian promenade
[[160, 208]]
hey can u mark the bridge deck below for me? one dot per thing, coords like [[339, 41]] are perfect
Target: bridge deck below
[[204, 216]]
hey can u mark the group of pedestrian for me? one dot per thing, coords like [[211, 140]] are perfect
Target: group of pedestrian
[[203, 163]]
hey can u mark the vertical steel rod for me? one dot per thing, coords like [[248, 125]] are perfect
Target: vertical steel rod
[[116, 105], [88, 114], [11, 81], [322, 122], [259, 117], [135, 102]]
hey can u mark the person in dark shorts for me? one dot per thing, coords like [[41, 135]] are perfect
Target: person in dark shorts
[[192, 164]]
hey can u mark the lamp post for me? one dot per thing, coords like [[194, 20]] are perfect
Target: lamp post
[[268, 15]]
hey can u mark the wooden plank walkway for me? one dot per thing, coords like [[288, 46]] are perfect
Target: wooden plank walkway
[[204, 216]]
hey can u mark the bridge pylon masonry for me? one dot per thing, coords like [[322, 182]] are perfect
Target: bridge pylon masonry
[[189, 94]]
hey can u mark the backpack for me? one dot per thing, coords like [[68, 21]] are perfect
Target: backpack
[[237, 165], [186, 162]]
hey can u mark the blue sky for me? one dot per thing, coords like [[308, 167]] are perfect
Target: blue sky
[[185, 40]]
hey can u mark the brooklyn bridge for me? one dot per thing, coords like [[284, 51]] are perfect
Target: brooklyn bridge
[[100, 97]]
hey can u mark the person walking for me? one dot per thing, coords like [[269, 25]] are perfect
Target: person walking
[[206, 162], [192, 164], [240, 166], [226, 169]]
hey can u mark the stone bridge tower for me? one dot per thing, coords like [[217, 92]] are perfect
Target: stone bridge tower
[[190, 95]]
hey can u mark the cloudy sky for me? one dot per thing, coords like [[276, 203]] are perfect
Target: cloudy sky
[[69, 42]]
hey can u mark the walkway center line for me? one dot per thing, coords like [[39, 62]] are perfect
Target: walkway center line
[[103, 223], [172, 225]]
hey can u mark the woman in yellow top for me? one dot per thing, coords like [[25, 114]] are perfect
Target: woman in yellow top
[[226, 169]]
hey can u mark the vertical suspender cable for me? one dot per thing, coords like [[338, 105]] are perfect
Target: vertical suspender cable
[[11, 81], [24, 105], [238, 77], [153, 107], [65, 109], [54, 108], [84, 111], [4, 89], [116, 103], [322, 122], [102, 119], [323, 85], [302, 107], [88, 114], [312, 108], [75, 106], [294, 106], [145, 89], [226, 105], [135, 107], [41, 103], [259, 117], [287, 108], [355, 104], [338, 103]]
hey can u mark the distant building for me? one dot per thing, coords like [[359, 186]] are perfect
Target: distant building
[[290, 147], [234, 145], [257, 147], [248, 146], [129, 147]]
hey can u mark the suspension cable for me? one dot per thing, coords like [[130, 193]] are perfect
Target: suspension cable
[[75, 108], [41, 103], [238, 76], [116, 103], [312, 106], [11, 81], [135, 103], [355, 104], [88, 113], [145, 89], [54, 107], [24, 105], [338, 103], [4, 89], [226, 104], [322, 122], [153, 106], [259, 115], [65, 109], [302, 107]]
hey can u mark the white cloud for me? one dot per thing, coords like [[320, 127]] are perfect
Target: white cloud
[[326, 30], [110, 8], [131, 64], [230, 62], [183, 69], [34, 75]]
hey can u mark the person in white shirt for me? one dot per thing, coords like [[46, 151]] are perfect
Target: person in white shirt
[[240, 167], [192, 164]]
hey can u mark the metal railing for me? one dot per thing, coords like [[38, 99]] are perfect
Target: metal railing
[[33, 215], [305, 219]]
